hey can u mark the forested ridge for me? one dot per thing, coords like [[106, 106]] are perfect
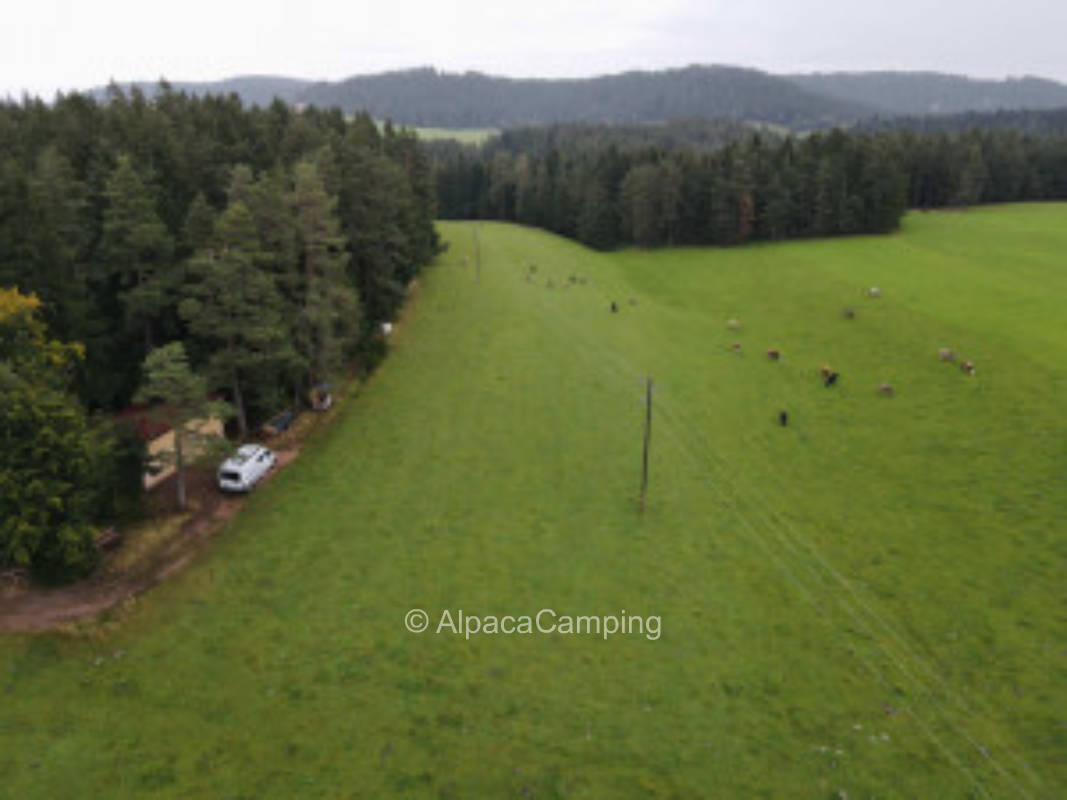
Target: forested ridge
[[916, 93], [268, 243], [819, 101], [752, 186]]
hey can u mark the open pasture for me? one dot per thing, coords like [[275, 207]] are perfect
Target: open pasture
[[867, 601]]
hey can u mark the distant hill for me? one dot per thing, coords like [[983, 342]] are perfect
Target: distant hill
[[474, 100], [933, 92], [426, 97]]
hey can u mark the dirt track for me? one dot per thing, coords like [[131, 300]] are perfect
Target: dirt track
[[37, 609]]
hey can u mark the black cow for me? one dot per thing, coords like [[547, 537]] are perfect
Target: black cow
[[783, 418], [831, 379]]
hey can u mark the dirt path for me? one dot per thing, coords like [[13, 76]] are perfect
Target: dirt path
[[36, 609]]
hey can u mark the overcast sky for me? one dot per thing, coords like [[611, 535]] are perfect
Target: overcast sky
[[47, 45]]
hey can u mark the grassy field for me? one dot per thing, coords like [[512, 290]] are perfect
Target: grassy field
[[475, 136], [461, 135], [868, 601]]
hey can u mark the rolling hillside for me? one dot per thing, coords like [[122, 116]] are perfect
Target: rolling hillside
[[865, 602], [430, 98]]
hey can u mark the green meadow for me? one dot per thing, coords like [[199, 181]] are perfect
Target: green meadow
[[867, 602], [469, 136], [475, 136]]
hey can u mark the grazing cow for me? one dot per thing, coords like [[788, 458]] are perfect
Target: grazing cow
[[614, 307], [886, 390], [773, 354], [848, 313], [831, 379], [967, 367], [825, 371], [783, 418], [946, 354], [735, 346], [874, 291], [733, 324]]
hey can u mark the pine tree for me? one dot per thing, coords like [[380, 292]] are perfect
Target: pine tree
[[642, 205], [971, 173], [199, 225], [373, 205], [597, 224], [136, 249], [329, 316], [233, 307]]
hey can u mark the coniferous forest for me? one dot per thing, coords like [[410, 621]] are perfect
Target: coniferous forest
[[269, 243], [259, 249], [732, 185]]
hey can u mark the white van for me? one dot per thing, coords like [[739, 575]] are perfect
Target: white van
[[245, 468]]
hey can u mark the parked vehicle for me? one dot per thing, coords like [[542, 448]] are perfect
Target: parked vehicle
[[245, 468], [278, 423]]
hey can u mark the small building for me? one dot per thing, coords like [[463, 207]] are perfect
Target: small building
[[159, 441]]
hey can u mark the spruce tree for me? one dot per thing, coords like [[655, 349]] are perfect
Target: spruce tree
[[136, 249], [329, 316], [233, 307]]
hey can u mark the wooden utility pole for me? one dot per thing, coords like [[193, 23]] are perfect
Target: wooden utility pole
[[648, 440]]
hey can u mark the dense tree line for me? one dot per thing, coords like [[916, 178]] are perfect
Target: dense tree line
[[760, 187], [129, 218], [269, 243], [1050, 123], [933, 93], [679, 134]]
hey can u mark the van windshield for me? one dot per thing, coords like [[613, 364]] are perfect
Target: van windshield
[[230, 475]]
